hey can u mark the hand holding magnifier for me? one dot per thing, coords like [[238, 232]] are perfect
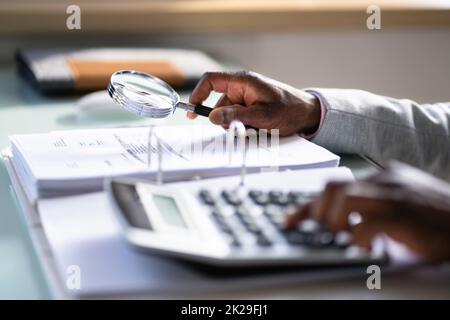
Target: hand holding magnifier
[[148, 96]]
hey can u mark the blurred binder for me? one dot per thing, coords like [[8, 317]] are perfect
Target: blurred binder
[[64, 70]]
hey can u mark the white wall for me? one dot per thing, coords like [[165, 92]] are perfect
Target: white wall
[[399, 63]]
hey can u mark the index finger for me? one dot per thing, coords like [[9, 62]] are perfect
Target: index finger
[[210, 81]]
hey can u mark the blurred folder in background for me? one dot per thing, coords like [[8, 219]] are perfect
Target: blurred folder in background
[[63, 70]]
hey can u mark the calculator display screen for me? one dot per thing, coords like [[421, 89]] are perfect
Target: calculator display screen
[[169, 211]]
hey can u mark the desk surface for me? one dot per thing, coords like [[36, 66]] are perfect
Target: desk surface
[[22, 110]]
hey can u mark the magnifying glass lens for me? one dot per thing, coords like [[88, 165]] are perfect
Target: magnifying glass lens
[[154, 99], [141, 85], [147, 96]]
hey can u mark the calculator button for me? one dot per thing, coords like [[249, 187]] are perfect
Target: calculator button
[[310, 225], [215, 212], [343, 239], [324, 239], [225, 228], [273, 211], [294, 196], [235, 243], [278, 222], [231, 198], [301, 198], [248, 221], [241, 211], [297, 237], [275, 194], [207, 197], [253, 228], [260, 198], [278, 198], [298, 198], [220, 221], [282, 201], [275, 215], [255, 194], [233, 240], [262, 240]]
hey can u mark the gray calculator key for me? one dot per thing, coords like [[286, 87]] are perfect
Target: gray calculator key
[[297, 237], [253, 228], [259, 197], [343, 239], [242, 211], [295, 196], [273, 211], [282, 200], [225, 228], [262, 240], [278, 198], [207, 197], [233, 240], [231, 198], [220, 220], [324, 239], [310, 225], [248, 222], [255, 193], [277, 221]]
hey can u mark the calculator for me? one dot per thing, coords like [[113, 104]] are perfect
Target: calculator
[[228, 227]]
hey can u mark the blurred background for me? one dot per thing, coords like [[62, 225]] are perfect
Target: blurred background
[[305, 43]]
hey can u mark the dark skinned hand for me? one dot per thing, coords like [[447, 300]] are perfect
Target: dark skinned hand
[[258, 102], [402, 202]]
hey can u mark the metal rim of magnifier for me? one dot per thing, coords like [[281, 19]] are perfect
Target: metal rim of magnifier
[[133, 106]]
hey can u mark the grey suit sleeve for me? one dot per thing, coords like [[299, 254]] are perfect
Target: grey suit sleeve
[[384, 128]]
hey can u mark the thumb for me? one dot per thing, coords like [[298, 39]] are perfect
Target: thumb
[[247, 115]]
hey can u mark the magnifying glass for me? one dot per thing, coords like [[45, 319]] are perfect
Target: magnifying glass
[[148, 96]]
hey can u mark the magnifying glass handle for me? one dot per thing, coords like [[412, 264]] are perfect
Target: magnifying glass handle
[[202, 110]]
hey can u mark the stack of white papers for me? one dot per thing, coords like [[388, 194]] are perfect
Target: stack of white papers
[[69, 162]]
